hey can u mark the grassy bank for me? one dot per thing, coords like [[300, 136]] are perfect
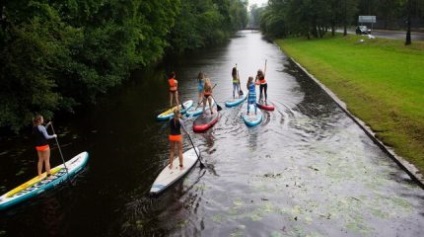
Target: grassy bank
[[380, 80]]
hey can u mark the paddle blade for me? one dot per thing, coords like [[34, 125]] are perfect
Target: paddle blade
[[219, 108]]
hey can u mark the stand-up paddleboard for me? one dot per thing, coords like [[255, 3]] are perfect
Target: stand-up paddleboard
[[169, 176], [193, 111], [235, 101], [169, 113], [38, 185], [252, 119], [206, 120], [265, 106]]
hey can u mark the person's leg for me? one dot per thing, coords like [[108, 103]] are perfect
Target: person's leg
[[260, 92], [248, 105], [210, 104], [180, 153], [40, 163], [170, 98], [265, 91], [177, 100], [204, 104], [171, 153], [47, 161], [234, 90]]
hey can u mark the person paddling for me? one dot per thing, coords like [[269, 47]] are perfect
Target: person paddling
[[39, 132], [236, 82], [173, 90], [251, 99], [207, 94], [200, 83], [175, 138], [263, 86]]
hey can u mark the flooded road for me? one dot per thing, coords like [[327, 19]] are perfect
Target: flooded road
[[306, 170]]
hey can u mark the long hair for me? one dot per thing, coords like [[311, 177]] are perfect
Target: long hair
[[234, 72]]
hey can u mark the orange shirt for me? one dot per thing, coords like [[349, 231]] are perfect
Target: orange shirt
[[173, 84]]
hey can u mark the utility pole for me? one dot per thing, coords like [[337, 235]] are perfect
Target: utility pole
[[408, 24]]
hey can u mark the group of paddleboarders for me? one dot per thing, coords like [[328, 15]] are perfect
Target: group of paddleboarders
[[251, 87], [205, 90]]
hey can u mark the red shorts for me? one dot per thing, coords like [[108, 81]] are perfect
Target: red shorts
[[175, 138], [42, 148]]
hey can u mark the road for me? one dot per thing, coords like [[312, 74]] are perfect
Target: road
[[401, 35], [392, 34]]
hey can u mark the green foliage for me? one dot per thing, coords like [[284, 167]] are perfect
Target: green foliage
[[206, 22], [59, 54], [314, 18]]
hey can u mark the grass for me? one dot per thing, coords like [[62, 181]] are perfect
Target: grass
[[380, 80]]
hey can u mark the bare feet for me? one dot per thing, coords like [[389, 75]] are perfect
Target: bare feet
[[181, 167]]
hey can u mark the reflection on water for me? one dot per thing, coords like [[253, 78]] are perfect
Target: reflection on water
[[306, 170]]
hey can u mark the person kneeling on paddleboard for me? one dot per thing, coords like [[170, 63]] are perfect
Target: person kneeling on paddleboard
[[251, 99], [173, 89], [176, 138]]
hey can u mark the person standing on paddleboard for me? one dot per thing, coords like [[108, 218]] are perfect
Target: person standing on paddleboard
[[207, 94], [236, 82], [200, 84], [176, 138], [42, 147], [263, 86], [173, 90], [251, 98]]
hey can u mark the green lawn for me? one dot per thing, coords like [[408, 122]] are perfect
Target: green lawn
[[380, 80]]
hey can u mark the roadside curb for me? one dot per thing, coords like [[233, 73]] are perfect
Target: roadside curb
[[409, 168]]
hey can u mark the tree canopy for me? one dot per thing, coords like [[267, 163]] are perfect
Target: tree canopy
[[314, 18], [61, 54]]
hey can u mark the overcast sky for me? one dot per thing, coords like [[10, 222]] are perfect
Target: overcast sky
[[258, 2]]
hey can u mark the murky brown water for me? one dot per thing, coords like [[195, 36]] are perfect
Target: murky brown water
[[306, 170]]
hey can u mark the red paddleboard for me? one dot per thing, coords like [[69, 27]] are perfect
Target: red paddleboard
[[266, 106], [205, 121]]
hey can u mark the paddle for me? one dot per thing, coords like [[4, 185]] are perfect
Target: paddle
[[191, 141], [219, 108], [60, 151]]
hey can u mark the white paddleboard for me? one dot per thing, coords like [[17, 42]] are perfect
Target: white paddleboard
[[169, 176]]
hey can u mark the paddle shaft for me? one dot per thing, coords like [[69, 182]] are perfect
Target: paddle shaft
[[60, 151], [198, 156]]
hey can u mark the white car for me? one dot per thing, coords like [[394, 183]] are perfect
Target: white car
[[362, 30]]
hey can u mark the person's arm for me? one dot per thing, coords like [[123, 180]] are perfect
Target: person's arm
[[43, 130]]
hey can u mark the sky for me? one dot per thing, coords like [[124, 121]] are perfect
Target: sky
[[258, 2]]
